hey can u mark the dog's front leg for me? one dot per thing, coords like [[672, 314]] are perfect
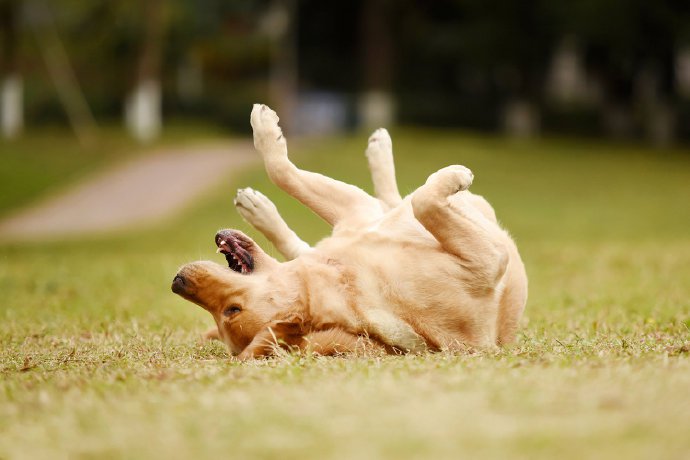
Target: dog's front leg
[[286, 331], [262, 214], [263, 344], [211, 334], [332, 200]]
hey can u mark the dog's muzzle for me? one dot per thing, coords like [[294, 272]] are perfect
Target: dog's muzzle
[[179, 285]]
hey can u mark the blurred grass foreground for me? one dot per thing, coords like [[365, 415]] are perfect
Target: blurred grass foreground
[[99, 359]]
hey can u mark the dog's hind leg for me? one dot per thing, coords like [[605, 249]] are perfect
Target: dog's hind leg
[[332, 200], [461, 228], [262, 214], [380, 156]]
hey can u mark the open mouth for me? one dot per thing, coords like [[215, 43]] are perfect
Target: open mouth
[[236, 248]]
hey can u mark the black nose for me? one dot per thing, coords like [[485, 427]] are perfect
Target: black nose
[[179, 285]]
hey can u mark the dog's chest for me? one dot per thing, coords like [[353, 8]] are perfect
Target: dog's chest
[[391, 271]]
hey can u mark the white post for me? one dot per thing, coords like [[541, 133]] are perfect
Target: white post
[[683, 71], [520, 119], [11, 107], [376, 109], [143, 111]]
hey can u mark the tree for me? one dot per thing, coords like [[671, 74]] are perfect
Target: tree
[[376, 106], [280, 24], [62, 74]]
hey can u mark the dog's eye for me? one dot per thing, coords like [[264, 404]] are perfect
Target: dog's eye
[[232, 310]]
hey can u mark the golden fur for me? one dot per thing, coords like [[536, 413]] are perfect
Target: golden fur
[[432, 271]]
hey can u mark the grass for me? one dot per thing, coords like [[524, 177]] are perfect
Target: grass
[[99, 359]]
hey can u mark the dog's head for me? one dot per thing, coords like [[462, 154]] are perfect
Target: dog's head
[[243, 298]]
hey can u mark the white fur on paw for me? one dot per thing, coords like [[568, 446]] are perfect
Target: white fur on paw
[[256, 208], [379, 140], [393, 331], [452, 179], [267, 133]]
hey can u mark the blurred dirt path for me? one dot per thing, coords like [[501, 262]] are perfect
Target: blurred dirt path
[[141, 191]]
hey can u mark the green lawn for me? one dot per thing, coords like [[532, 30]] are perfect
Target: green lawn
[[99, 359]]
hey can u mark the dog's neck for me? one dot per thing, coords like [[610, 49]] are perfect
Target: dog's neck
[[327, 291]]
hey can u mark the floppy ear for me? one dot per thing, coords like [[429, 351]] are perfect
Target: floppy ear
[[286, 330], [290, 324]]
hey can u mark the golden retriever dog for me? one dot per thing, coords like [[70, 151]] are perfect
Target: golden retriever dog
[[432, 271]]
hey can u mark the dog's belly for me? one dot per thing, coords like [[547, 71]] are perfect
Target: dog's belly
[[435, 301], [406, 290]]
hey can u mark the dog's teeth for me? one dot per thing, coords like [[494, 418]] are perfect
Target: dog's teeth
[[223, 246], [219, 250]]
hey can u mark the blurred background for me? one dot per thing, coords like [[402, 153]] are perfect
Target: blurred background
[[595, 68]]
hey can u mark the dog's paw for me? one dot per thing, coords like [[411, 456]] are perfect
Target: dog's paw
[[379, 143], [393, 331], [451, 179], [268, 137], [211, 334], [256, 208]]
